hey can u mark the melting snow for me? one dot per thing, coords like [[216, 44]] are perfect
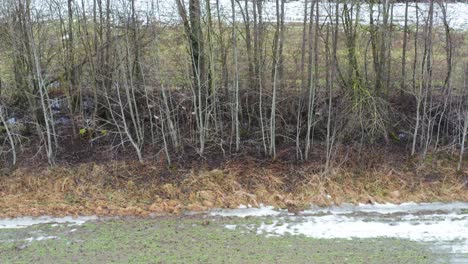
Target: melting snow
[[31, 239], [166, 11], [244, 211], [339, 226], [389, 208], [444, 224], [231, 227], [23, 222]]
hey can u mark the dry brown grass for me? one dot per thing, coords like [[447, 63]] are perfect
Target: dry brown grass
[[123, 188]]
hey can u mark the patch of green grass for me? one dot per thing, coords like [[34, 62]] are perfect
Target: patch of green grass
[[188, 240]]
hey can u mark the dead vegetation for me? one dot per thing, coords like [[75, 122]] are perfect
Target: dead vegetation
[[132, 188]]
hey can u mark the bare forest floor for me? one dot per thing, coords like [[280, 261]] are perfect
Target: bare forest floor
[[154, 188]]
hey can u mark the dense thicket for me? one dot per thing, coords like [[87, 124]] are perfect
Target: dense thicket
[[106, 76]]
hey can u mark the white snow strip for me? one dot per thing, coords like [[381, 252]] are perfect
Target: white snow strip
[[31, 239], [452, 229], [230, 227], [339, 226], [389, 208], [166, 11], [244, 211], [23, 222], [441, 224]]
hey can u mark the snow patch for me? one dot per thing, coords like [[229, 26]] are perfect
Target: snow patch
[[245, 211], [231, 227], [389, 208], [339, 226], [166, 11], [31, 239], [23, 222], [442, 224]]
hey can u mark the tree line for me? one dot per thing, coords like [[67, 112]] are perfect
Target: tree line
[[105, 73]]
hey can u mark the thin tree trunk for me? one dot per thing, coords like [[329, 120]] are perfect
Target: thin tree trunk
[[405, 44], [9, 135], [311, 84], [236, 76], [464, 133]]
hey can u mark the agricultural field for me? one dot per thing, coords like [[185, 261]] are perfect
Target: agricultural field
[[248, 235]]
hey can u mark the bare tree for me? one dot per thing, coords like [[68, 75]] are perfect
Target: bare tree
[[50, 136], [193, 29], [463, 139], [313, 53], [9, 135], [418, 95], [277, 61], [404, 48], [236, 76], [303, 82]]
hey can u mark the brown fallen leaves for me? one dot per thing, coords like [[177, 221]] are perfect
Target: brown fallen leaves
[[141, 190]]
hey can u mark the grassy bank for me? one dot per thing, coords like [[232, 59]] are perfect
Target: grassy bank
[[132, 188]]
